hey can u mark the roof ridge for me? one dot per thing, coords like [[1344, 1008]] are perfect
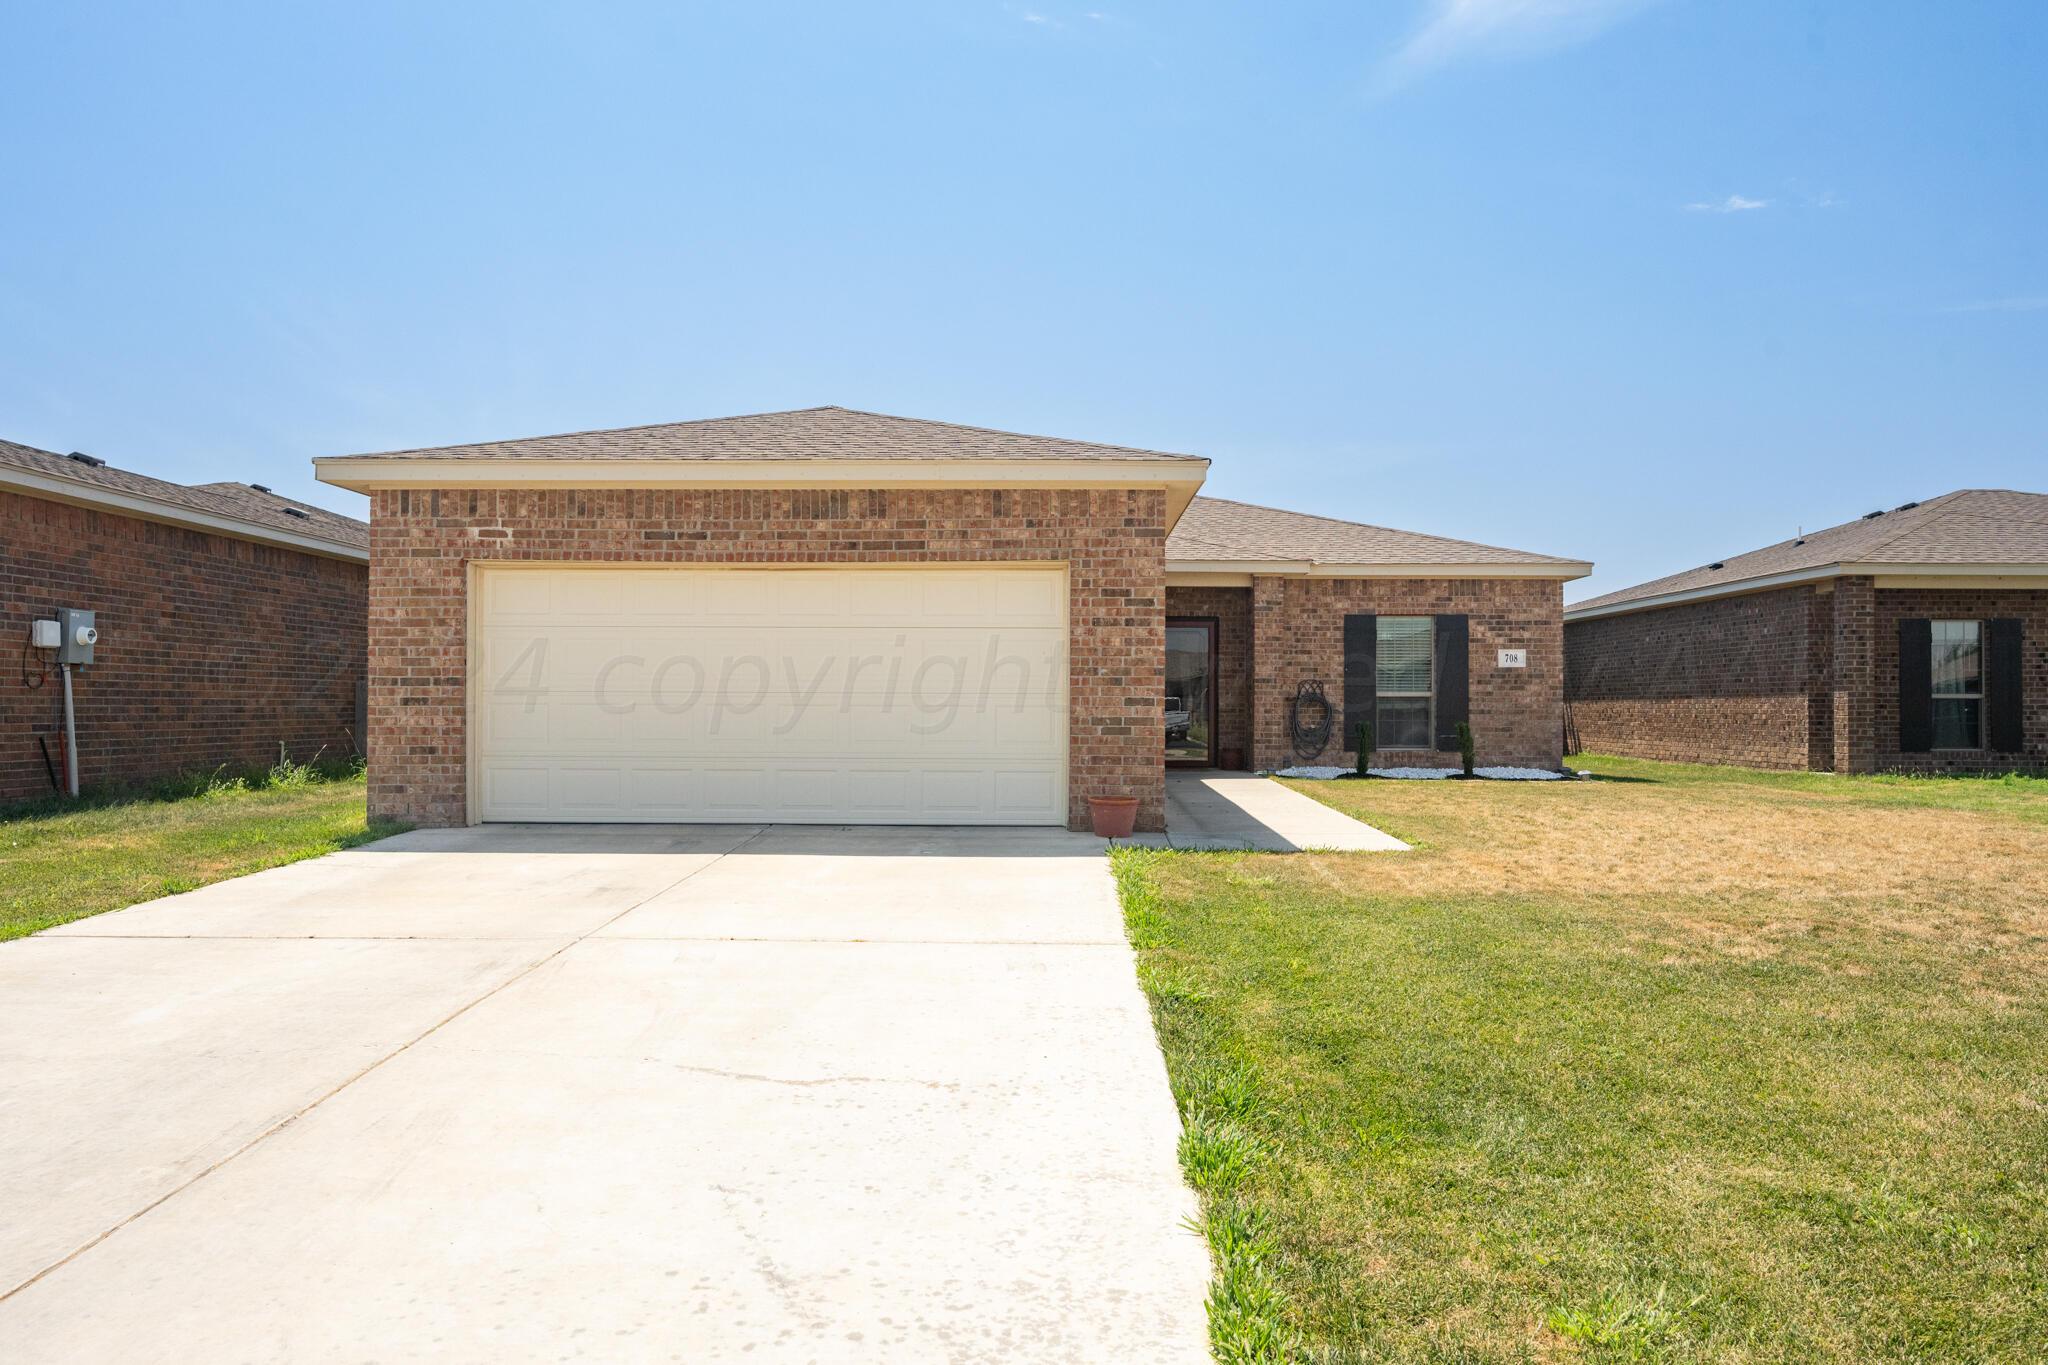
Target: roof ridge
[[602, 431], [1005, 431], [1918, 515], [776, 412], [1390, 530]]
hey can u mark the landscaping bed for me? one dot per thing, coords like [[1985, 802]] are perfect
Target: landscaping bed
[[1669, 1064]]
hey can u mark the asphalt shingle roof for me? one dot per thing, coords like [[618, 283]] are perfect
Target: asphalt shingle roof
[[1216, 530], [237, 500], [828, 433], [1969, 526]]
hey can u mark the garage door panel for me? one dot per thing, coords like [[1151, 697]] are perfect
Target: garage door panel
[[885, 695]]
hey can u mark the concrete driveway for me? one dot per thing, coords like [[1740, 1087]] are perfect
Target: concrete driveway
[[599, 1093]]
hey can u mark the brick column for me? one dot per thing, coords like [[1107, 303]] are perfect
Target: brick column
[[1270, 746], [1855, 660], [1820, 681]]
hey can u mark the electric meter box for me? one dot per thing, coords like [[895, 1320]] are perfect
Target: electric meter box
[[76, 636]]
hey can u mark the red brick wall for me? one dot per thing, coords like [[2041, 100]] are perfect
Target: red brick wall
[[1796, 678], [2030, 606], [1232, 608], [1732, 680], [212, 650], [1517, 713], [1113, 543]]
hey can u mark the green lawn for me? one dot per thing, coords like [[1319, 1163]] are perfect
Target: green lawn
[[59, 865], [1677, 1064]]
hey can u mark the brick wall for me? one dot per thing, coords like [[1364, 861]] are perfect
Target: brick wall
[[1517, 713], [212, 650], [1732, 680], [1796, 678], [1113, 543], [1232, 608], [2029, 605]]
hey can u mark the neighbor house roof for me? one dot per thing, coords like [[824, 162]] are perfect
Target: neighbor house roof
[[235, 509], [1980, 531], [1218, 535], [808, 448]]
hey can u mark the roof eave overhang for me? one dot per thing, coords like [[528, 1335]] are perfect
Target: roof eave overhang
[[1180, 479], [1821, 573], [146, 508], [1307, 568]]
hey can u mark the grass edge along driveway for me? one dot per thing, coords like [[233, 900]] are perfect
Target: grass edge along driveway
[[1674, 1065], [59, 865]]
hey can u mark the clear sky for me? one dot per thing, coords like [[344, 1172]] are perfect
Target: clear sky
[[1646, 283]]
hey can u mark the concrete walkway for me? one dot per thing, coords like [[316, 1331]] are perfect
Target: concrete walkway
[[609, 1093], [1221, 810]]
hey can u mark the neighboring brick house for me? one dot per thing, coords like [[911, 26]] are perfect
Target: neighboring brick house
[[1914, 640], [231, 621], [843, 617]]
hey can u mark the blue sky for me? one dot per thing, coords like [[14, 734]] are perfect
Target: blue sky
[[1647, 283]]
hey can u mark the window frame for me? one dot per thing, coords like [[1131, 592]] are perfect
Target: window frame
[[1381, 695], [1936, 698]]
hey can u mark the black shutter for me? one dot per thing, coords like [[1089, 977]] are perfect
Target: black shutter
[[1916, 685], [1361, 674], [1453, 680], [2004, 731]]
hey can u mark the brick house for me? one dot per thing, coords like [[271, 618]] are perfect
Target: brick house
[[1913, 640], [843, 617], [231, 620]]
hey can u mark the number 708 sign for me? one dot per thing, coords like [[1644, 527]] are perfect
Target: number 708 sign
[[1514, 658]]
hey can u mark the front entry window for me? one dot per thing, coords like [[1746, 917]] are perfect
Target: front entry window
[[1406, 682], [1190, 683], [1958, 685]]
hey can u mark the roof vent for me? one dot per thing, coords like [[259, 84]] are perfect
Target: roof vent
[[1717, 564], [295, 512], [1905, 507], [95, 461], [1800, 541], [1867, 516], [259, 488]]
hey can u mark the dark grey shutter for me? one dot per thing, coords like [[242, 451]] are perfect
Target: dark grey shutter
[[1453, 680], [1916, 685], [1361, 673], [2004, 731]]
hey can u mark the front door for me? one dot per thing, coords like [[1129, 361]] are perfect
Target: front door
[[1191, 691]]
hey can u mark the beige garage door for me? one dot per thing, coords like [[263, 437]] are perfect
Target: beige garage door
[[819, 695]]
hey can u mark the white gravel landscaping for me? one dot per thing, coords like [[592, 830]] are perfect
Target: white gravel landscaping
[[1324, 773]]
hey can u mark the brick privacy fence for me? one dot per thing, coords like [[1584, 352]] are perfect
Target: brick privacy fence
[[1793, 678], [1232, 608], [1113, 543], [212, 650], [1517, 713]]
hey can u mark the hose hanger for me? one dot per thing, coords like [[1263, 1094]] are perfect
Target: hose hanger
[[1309, 719]]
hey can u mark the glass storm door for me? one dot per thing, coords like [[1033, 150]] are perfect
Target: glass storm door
[[1191, 691]]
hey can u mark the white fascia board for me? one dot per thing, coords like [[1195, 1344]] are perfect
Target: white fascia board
[[146, 508], [1562, 572], [1305, 568], [1822, 573]]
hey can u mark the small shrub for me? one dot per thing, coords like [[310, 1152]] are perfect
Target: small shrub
[[1364, 739], [1466, 746]]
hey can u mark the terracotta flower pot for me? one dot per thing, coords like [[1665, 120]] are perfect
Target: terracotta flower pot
[[1114, 816]]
